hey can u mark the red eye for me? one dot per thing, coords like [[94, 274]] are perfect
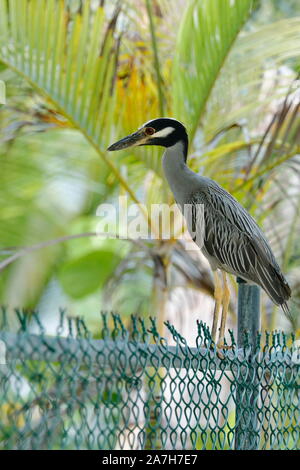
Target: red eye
[[149, 130]]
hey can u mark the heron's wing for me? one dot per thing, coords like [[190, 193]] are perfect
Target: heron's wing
[[234, 240]]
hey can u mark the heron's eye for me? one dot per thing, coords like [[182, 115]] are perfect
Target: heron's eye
[[149, 130]]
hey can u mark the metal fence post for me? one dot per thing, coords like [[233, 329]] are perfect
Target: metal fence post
[[247, 392]]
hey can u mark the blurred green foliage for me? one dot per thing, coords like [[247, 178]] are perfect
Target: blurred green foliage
[[81, 74]]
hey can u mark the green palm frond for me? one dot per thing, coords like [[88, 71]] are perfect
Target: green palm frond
[[253, 76], [207, 34], [70, 57]]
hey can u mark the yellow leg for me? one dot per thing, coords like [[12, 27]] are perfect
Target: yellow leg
[[218, 295], [225, 305]]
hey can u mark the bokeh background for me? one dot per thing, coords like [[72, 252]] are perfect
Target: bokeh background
[[81, 74]]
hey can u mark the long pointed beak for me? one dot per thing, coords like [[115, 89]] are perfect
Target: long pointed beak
[[137, 138]]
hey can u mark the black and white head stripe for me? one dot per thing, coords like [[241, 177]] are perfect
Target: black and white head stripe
[[168, 132], [164, 132], [162, 123]]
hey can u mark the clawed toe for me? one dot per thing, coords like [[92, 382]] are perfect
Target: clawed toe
[[224, 346], [218, 348]]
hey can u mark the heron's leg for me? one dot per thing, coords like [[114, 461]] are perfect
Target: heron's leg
[[225, 305], [218, 295]]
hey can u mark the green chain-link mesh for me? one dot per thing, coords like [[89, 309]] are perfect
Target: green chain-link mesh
[[130, 390]]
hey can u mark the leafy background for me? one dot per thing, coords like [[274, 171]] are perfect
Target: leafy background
[[79, 75]]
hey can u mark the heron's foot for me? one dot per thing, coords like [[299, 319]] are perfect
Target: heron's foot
[[218, 348], [221, 345], [220, 355]]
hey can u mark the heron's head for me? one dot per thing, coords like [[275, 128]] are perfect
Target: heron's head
[[165, 132]]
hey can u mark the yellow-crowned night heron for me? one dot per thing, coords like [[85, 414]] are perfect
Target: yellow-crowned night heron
[[232, 241]]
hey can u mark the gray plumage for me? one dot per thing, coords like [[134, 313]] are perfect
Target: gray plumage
[[232, 239]]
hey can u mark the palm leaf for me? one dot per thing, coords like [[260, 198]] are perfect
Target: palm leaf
[[253, 76], [70, 57], [43, 188], [207, 34]]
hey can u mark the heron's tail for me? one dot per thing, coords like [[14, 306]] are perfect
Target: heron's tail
[[273, 282]]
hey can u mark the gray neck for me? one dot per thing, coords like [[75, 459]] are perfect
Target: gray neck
[[176, 171]]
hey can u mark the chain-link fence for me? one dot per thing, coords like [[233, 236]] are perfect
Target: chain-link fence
[[128, 389]]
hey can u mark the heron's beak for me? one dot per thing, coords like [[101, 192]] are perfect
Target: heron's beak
[[137, 138]]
